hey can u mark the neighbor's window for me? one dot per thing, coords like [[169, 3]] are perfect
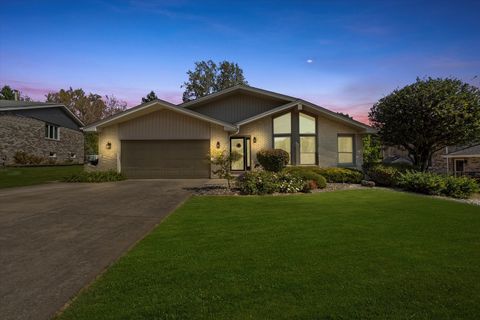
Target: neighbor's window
[[52, 132], [282, 133], [345, 150], [308, 139]]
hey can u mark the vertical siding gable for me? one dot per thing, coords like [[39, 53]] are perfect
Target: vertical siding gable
[[164, 124], [237, 107]]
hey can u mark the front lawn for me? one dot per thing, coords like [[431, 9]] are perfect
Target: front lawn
[[25, 176], [358, 254]]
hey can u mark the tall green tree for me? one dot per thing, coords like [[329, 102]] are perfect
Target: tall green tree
[[427, 116], [150, 97], [208, 77], [7, 93]]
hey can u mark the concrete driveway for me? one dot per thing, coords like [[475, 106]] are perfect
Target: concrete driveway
[[56, 238]]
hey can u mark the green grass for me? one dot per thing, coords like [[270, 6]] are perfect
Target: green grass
[[359, 254], [26, 176]]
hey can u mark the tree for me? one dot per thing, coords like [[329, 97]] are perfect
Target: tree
[[372, 150], [221, 160], [113, 106], [208, 78], [88, 108], [7, 93], [427, 116], [150, 97]]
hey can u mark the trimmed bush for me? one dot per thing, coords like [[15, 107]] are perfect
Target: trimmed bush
[[384, 175], [308, 174], [291, 183], [273, 160], [340, 175], [435, 184], [97, 176]]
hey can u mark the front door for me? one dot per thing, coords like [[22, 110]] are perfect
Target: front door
[[241, 146], [459, 167]]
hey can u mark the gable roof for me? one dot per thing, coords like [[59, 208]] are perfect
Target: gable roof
[[156, 105], [472, 151], [235, 89], [327, 113], [13, 105]]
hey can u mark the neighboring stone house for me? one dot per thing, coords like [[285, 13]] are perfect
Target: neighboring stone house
[[458, 160], [44, 133], [455, 160]]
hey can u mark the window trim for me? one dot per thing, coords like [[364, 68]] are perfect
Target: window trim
[[47, 131], [300, 135], [354, 150]]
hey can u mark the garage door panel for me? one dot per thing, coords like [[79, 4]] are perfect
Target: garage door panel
[[165, 159]]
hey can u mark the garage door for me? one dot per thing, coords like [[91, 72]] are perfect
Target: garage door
[[165, 159]]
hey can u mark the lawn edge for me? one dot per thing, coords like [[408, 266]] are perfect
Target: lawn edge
[[75, 296]]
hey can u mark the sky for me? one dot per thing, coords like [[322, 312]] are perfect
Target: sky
[[342, 55]]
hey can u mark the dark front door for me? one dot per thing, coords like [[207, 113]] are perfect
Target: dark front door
[[241, 146], [459, 167]]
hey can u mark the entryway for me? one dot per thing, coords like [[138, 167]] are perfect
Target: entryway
[[241, 145]]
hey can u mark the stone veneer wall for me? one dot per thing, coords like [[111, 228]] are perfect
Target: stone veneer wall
[[19, 133]]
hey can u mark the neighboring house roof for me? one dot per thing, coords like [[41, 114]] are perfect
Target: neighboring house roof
[[13, 105], [472, 151], [153, 106]]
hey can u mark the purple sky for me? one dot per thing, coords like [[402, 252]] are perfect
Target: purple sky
[[338, 54]]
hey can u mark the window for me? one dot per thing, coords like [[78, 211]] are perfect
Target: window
[[345, 150], [308, 139], [72, 155], [282, 133], [53, 155], [52, 132]]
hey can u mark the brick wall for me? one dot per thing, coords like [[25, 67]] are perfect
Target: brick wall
[[19, 133]]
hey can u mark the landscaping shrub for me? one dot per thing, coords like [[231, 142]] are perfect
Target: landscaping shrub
[[266, 182], [422, 182], [257, 182], [435, 184], [384, 175], [98, 176], [291, 183], [273, 159], [461, 187], [21, 157], [308, 174], [340, 175]]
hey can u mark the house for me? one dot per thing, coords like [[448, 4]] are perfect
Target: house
[[46, 132], [159, 139], [458, 160]]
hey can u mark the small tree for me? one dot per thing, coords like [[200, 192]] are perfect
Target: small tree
[[150, 97], [372, 151], [427, 116], [222, 161]]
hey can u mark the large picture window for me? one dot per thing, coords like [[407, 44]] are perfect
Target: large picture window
[[308, 139], [282, 133], [346, 150], [52, 132]]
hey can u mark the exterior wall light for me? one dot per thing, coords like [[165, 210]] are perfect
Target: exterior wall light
[[218, 145], [109, 145], [254, 139]]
